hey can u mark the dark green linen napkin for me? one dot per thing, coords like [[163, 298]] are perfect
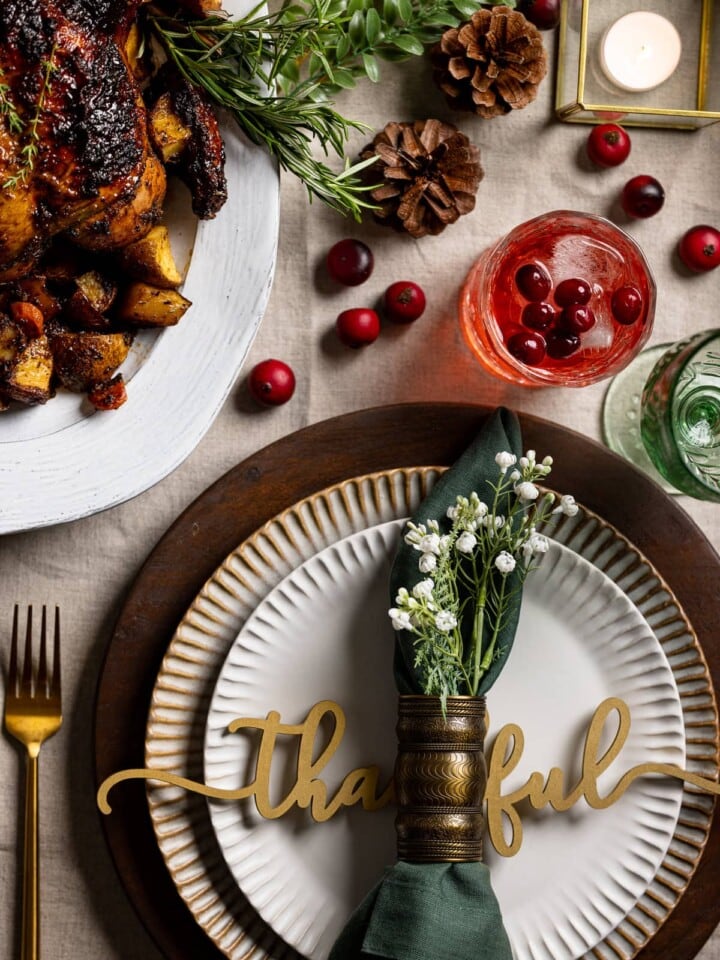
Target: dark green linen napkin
[[438, 911]]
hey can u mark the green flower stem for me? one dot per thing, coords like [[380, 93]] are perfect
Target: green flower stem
[[490, 652], [477, 635]]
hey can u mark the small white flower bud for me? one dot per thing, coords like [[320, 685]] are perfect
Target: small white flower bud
[[423, 590], [445, 621], [400, 619], [568, 505], [505, 460], [466, 542], [427, 563], [547, 461], [505, 562], [515, 476], [527, 491], [430, 543], [451, 513], [530, 454]]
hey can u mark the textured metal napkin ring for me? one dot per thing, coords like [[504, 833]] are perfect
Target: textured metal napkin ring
[[440, 779]]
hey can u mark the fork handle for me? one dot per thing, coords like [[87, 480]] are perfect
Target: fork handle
[[29, 944]]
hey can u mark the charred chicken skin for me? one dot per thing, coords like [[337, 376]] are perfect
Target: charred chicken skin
[[75, 154]]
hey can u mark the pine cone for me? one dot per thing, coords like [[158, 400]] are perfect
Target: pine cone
[[491, 64], [431, 173]]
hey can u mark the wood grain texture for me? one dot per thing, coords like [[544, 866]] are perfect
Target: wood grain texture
[[295, 467]]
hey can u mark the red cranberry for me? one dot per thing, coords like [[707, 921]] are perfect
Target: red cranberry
[[562, 345], [577, 318], [528, 348], [608, 145], [538, 316], [533, 281], [626, 305], [404, 301], [545, 14], [642, 197], [350, 262], [358, 327], [572, 291], [272, 382], [699, 248]]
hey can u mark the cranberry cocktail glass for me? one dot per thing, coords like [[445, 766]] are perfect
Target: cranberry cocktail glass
[[566, 299]]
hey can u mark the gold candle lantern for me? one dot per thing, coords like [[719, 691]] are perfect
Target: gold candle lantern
[[639, 64]]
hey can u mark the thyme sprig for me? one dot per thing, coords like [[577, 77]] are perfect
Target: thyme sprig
[[277, 72], [29, 152], [9, 110]]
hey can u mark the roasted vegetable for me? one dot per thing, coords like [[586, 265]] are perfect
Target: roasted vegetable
[[91, 299], [13, 341], [142, 305], [83, 358], [109, 395], [169, 134], [30, 378], [151, 259], [29, 318], [35, 291]]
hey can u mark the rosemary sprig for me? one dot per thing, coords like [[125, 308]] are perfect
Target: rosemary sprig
[[304, 53], [30, 149]]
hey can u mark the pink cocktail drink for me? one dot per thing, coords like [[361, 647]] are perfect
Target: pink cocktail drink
[[566, 299]]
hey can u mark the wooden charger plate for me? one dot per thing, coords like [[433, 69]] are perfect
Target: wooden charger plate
[[293, 468]]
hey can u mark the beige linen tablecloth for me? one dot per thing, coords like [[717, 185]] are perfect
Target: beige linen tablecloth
[[533, 164]]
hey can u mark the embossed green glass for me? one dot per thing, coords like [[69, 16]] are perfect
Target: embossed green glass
[[676, 429]]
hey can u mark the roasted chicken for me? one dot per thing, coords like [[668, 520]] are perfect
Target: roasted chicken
[[75, 152], [83, 157]]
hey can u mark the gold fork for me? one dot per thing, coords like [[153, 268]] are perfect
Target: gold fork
[[32, 715]]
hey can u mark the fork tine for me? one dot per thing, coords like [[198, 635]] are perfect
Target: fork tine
[[55, 683], [42, 674], [13, 667], [26, 683]]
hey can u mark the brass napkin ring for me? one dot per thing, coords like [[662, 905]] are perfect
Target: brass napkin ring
[[440, 779]]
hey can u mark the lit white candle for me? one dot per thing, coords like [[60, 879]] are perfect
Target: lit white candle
[[640, 51]]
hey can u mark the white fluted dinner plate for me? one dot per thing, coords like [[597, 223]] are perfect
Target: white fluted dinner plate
[[190, 669], [65, 460], [323, 634]]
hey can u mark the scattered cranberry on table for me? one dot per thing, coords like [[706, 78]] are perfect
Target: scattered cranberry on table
[[350, 262], [642, 197], [528, 348], [626, 305], [533, 281], [272, 382], [545, 14], [358, 327], [572, 291], [699, 248], [608, 145], [404, 301]]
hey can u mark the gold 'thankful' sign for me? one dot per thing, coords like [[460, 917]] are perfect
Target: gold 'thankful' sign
[[309, 791]]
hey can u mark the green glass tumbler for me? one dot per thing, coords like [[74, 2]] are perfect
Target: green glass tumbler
[[663, 414]]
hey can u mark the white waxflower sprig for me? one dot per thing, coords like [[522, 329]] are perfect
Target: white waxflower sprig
[[472, 573]]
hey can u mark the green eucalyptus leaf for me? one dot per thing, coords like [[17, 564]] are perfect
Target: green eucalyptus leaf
[[355, 5], [409, 44], [343, 78], [390, 11], [373, 26], [372, 70], [356, 29], [428, 35], [445, 19], [405, 9], [343, 47], [466, 7]]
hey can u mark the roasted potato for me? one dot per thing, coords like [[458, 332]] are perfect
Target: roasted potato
[[84, 358], [151, 259], [91, 299], [30, 378], [169, 134], [13, 341], [142, 305]]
